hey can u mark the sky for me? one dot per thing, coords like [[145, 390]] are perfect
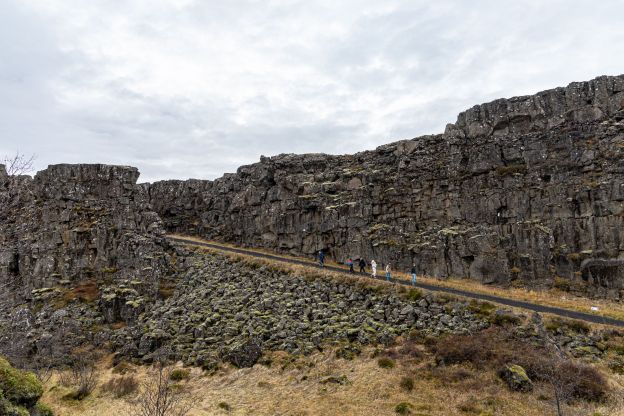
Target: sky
[[194, 89]]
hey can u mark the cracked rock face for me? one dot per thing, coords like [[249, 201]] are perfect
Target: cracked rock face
[[74, 223], [527, 190]]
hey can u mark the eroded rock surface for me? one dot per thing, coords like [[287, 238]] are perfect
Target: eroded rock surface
[[79, 247], [523, 190], [72, 223]]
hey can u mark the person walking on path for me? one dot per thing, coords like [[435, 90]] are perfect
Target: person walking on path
[[374, 269], [413, 271], [350, 264], [321, 257], [362, 266], [388, 272]]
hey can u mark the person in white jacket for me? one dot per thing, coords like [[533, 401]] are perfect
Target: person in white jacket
[[388, 272], [374, 269]]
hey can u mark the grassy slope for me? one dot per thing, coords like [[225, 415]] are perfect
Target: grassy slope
[[298, 390], [293, 386]]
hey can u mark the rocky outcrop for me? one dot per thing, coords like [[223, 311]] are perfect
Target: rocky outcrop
[[80, 247], [516, 378], [228, 310], [518, 191], [72, 223], [579, 102]]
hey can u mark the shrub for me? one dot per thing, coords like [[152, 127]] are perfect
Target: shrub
[[83, 377], [411, 349], [457, 349], [225, 406], [452, 375], [180, 374], [573, 325], [585, 381], [123, 367], [159, 397], [616, 346], [403, 408], [121, 386], [385, 362], [407, 383], [616, 365], [42, 410], [492, 348], [414, 294], [568, 378], [484, 309], [502, 319]]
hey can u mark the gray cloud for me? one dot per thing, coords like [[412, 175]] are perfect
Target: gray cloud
[[194, 89]]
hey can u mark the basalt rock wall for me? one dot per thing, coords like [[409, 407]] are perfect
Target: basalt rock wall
[[74, 223], [527, 190]]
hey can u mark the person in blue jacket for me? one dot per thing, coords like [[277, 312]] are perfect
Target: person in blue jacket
[[321, 257]]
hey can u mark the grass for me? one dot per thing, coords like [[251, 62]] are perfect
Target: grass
[[551, 297], [298, 390]]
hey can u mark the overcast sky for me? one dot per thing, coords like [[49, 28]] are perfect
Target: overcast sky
[[196, 88]]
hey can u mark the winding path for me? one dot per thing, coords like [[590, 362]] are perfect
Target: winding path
[[596, 319]]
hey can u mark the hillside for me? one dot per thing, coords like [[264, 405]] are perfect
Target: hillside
[[98, 302]]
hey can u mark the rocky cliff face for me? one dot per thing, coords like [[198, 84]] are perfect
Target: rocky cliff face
[[527, 190], [72, 223], [80, 247]]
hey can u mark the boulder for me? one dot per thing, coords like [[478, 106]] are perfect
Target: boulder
[[516, 378], [244, 353]]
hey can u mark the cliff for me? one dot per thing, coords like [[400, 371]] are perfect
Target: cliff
[[526, 190], [72, 223]]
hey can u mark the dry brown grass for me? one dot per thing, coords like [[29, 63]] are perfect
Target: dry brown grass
[[550, 297], [298, 386]]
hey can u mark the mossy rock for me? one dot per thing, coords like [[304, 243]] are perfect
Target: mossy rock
[[516, 378], [20, 388]]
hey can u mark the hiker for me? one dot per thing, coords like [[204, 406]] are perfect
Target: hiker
[[350, 264], [374, 269], [388, 272], [413, 271], [362, 266], [321, 258]]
